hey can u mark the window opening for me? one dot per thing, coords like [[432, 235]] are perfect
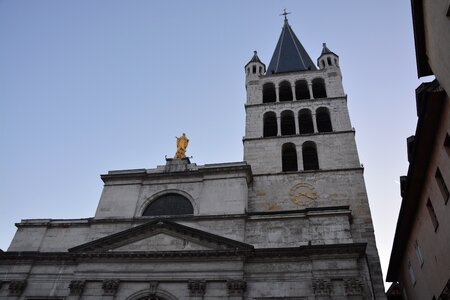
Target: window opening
[[433, 217], [318, 86], [310, 159], [269, 94], [254, 69], [447, 144], [302, 90], [270, 124], [287, 123], [323, 120], [442, 186], [169, 204], [412, 275], [289, 157], [305, 122], [285, 91], [418, 252], [329, 61]]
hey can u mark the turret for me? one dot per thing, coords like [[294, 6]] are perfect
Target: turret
[[327, 59], [254, 68]]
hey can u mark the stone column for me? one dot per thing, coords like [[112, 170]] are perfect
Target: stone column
[[294, 96], [278, 125], [297, 126], [277, 93], [311, 95], [76, 288], [236, 289], [314, 120]]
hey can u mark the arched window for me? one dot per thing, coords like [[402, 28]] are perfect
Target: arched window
[[270, 124], [323, 63], [289, 157], [318, 87], [269, 94], [323, 120], [301, 90], [285, 91], [336, 63], [287, 123], [329, 61], [309, 154], [254, 69], [305, 122], [169, 204]]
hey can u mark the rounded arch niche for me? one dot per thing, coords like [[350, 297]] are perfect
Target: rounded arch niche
[[152, 295], [168, 204]]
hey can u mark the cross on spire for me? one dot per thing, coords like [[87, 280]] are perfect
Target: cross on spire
[[285, 14]]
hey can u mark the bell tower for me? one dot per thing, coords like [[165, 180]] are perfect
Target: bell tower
[[301, 147], [294, 108]]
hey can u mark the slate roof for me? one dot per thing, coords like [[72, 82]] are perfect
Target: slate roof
[[255, 58], [325, 49], [289, 54]]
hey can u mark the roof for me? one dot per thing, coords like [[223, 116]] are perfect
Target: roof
[[326, 50], [255, 58], [423, 68], [289, 54]]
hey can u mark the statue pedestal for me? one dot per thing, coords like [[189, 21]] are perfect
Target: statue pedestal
[[177, 165]]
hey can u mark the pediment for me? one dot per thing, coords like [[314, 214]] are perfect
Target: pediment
[[161, 236], [163, 242]]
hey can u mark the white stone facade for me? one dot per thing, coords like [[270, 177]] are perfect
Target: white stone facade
[[255, 231]]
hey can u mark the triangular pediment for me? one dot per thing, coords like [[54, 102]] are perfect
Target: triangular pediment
[[163, 242], [161, 236]]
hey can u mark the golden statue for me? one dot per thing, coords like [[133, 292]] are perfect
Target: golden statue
[[182, 143]]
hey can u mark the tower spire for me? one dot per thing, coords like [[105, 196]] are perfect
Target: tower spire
[[289, 54]]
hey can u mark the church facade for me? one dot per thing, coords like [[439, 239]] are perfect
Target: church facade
[[291, 221]]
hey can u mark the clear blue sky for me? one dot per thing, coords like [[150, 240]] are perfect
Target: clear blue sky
[[92, 86]]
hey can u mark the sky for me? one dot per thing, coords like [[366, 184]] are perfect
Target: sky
[[92, 86]]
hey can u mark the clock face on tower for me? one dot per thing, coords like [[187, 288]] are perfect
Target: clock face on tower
[[303, 194]]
